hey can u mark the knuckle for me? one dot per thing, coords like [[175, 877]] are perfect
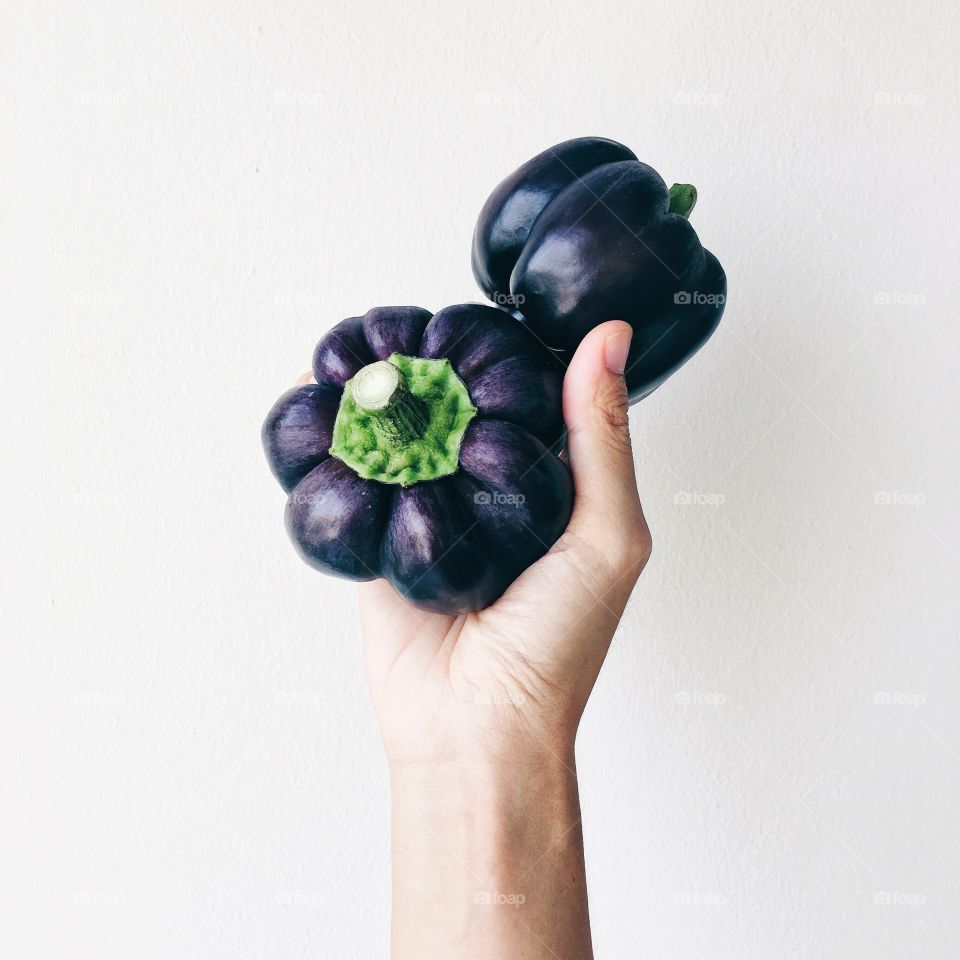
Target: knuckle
[[612, 409], [609, 557], [634, 546]]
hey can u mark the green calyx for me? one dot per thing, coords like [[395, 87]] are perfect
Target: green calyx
[[683, 197], [402, 420]]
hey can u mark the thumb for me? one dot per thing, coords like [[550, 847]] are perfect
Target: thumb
[[607, 509]]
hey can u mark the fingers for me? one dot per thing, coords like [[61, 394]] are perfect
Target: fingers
[[305, 378], [607, 510]]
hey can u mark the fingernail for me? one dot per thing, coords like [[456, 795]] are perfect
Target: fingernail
[[615, 350]]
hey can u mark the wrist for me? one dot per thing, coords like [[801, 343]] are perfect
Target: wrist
[[489, 812], [484, 760], [482, 843], [465, 781]]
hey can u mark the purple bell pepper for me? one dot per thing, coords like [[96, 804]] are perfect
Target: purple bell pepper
[[425, 453], [584, 233]]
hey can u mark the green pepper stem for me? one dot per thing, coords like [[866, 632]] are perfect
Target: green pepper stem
[[379, 389], [683, 197], [401, 420]]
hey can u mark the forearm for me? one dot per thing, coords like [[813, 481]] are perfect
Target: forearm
[[488, 861]]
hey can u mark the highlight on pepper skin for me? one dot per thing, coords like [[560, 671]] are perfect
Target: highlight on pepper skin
[[423, 453]]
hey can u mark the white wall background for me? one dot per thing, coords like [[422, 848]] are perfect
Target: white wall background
[[192, 192]]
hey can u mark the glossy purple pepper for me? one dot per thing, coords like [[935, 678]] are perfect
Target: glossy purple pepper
[[452, 544], [583, 233]]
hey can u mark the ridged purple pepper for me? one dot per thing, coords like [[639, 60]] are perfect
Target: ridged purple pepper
[[425, 453]]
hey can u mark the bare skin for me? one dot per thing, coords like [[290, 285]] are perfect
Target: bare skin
[[479, 713]]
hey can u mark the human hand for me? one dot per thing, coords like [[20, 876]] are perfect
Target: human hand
[[513, 679]]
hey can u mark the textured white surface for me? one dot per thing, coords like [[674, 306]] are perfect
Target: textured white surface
[[193, 192]]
